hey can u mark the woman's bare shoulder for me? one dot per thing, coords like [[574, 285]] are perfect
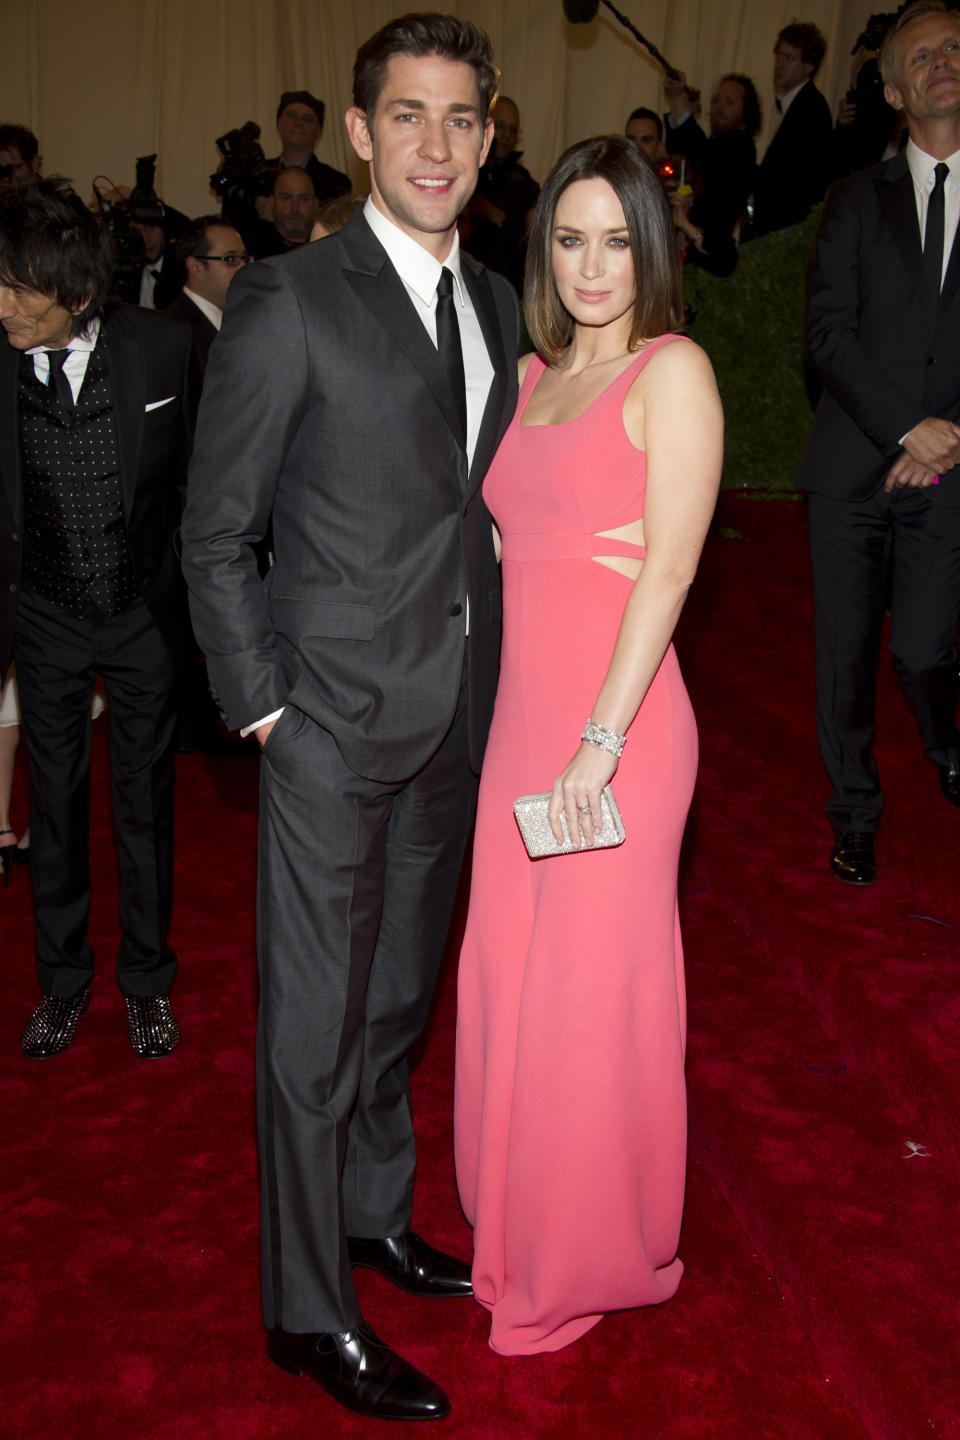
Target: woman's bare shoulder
[[523, 364]]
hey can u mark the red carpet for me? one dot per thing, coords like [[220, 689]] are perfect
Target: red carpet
[[821, 1295]]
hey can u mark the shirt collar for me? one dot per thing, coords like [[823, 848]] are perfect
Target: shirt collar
[[85, 341], [923, 165], [416, 267], [206, 307]]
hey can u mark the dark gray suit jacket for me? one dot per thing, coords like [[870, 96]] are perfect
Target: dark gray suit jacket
[[325, 408], [885, 365], [150, 361]]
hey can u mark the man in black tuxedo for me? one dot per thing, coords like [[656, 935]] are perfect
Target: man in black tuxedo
[[796, 165], [357, 392], [93, 465], [881, 462], [210, 252]]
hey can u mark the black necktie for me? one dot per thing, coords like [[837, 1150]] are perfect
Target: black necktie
[[59, 381], [933, 239], [448, 345]]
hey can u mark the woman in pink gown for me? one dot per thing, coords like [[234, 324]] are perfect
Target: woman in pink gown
[[570, 1097]]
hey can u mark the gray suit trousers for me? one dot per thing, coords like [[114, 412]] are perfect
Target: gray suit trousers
[[357, 880]]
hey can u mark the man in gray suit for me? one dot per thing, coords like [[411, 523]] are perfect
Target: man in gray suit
[[356, 394]]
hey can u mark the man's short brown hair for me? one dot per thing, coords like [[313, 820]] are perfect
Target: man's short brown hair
[[424, 34]]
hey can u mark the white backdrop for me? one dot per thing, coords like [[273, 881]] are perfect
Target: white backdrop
[[102, 81]]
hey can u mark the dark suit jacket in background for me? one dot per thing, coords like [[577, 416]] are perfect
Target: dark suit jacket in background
[[379, 532], [796, 167], [727, 165], [203, 330], [884, 364], [150, 359]]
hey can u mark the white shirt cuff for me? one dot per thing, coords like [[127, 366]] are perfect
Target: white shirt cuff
[[248, 729]]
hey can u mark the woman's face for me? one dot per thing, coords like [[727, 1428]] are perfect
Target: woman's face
[[592, 263]]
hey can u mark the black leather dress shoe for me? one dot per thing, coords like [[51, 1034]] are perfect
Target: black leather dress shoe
[[950, 782], [853, 859], [412, 1264], [152, 1026], [360, 1371], [53, 1024]]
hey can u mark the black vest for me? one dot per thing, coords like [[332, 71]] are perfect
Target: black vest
[[75, 551]]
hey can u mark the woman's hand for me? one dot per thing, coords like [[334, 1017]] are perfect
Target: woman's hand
[[576, 792]]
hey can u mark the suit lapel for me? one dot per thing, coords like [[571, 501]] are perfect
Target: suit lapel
[[951, 281], [375, 282], [128, 382], [481, 293], [9, 440], [899, 208]]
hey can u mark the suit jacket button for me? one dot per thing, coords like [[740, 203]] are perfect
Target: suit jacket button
[[456, 609]]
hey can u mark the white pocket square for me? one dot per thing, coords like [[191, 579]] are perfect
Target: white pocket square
[[155, 404]]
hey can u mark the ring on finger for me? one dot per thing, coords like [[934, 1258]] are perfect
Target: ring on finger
[[584, 810]]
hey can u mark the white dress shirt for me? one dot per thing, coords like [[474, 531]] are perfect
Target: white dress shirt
[[922, 167], [420, 273], [75, 365], [206, 307]]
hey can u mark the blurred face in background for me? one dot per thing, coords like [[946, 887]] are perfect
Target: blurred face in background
[[726, 107], [645, 136], [298, 128], [294, 203], [506, 128], [789, 67]]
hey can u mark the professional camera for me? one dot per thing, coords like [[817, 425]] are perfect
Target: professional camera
[[243, 175], [141, 207]]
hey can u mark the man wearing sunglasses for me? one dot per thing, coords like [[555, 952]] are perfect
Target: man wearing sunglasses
[[211, 253]]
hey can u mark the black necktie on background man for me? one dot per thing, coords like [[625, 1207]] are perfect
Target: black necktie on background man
[[449, 347], [59, 381], [933, 240]]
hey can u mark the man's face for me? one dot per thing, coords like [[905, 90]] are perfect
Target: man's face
[[726, 107], [294, 201], [20, 169], [31, 318], [506, 128], [211, 275], [153, 239], [927, 70], [789, 67], [645, 136], [298, 128], [425, 142]]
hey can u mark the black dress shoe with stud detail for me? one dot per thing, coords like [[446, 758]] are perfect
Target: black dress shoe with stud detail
[[152, 1026], [357, 1368], [412, 1264], [950, 781], [853, 859], [53, 1024]]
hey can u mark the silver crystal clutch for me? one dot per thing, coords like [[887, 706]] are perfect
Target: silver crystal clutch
[[531, 815]]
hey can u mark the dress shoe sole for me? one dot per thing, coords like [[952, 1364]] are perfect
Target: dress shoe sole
[[285, 1356]]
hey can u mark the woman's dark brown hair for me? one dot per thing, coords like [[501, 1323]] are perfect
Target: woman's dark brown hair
[[658, 306]]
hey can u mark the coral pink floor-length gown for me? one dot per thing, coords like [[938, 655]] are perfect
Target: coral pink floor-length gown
[[570, 1094]]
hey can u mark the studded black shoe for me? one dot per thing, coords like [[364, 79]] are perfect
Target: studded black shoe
[[53, 1024], [152, 1026]]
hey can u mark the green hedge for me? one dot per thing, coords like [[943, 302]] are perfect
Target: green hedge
[[751, 326]]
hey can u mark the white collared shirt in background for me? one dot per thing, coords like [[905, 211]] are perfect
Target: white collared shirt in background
[[206, 307]]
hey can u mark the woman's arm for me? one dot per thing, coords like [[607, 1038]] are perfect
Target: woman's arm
[[673, 412]]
